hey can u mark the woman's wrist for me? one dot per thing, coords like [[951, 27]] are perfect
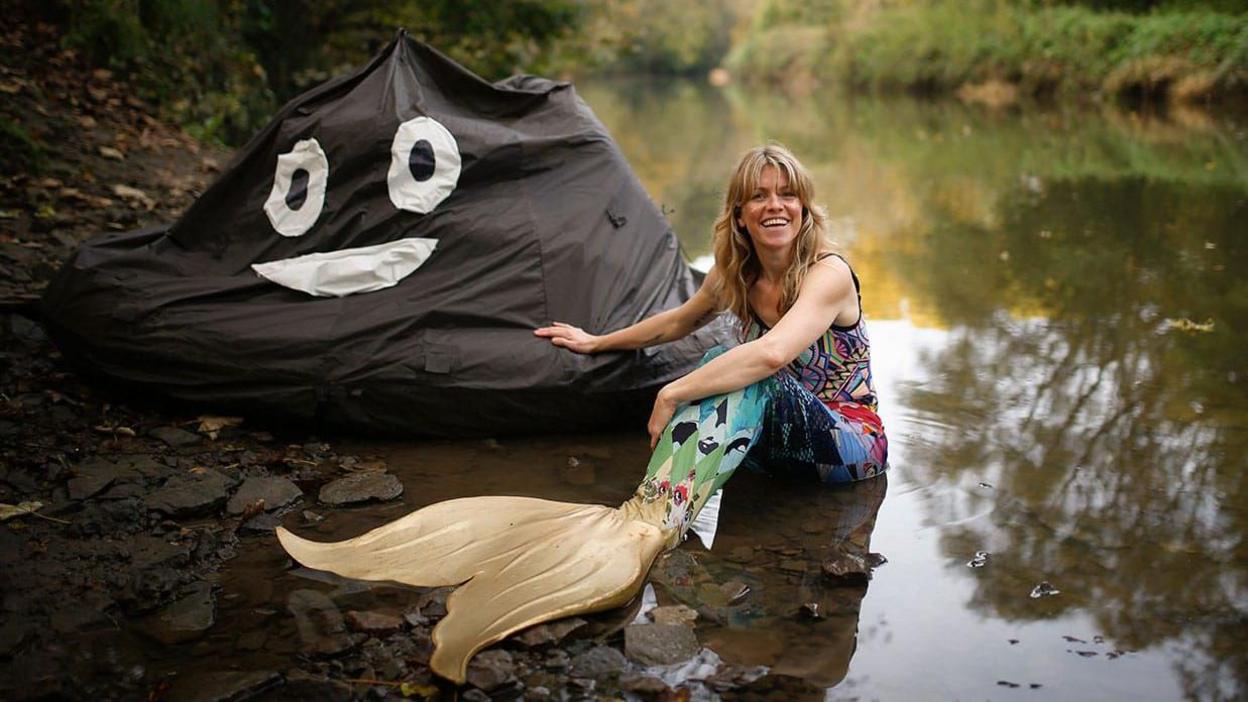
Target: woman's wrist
[[669, 394]]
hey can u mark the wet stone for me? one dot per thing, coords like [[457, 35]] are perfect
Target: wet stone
[[275, 492], [361, 487], [84, 486], [375, 623], [598, 662], [191, 495], [186, 619], [847, 568], [147, 552], [550, 632], [175, 437], [660, 644], [490, 669], [222, 686], [1043, 589], [558, 659], [674, 614]]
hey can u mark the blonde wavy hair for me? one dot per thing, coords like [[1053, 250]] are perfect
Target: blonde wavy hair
[[735, 258]]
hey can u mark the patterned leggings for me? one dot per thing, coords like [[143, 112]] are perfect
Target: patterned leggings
[[775, 425]]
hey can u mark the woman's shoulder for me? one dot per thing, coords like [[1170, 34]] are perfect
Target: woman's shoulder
[[835, 272]]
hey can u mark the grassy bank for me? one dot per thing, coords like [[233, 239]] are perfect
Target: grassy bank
[[997, 50]]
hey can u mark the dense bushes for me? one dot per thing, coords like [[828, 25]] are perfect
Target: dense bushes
[[941, 45]]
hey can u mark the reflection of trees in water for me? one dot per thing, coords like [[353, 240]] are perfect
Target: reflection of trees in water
[[1115, 449]]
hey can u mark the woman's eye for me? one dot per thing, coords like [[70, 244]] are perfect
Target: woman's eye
[[298, 194], [424, 165]]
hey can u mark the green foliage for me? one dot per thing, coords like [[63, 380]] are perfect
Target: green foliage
[[185, 56], [939, 45], [652, 36]]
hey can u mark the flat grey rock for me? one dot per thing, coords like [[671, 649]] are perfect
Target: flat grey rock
[[175, 437], [490, 669], [598, 662], [192, 494], [361, 487], [276, 493], [660, 644], [186, 619]]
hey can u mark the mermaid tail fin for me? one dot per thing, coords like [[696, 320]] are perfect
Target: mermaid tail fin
[[521, 561]]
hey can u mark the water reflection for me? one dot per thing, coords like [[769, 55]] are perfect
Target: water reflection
[[775, 538], [1086, 271]]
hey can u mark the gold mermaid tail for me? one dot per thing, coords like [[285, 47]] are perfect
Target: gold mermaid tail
[[521, 561]]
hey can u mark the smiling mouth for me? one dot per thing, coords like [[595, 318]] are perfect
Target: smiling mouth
[[349, 271], [775, 222]]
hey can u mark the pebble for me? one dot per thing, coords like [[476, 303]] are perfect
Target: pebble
[[673, 614], [490, 669], [175, 437], [660, 644], [361, 487], [376, 623], [186, 619], [190, 495], [597, 662], [847, 568], [276, 493], [550, 632]]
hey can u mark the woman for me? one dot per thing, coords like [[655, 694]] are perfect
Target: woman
[[797, 392], [799, 309]]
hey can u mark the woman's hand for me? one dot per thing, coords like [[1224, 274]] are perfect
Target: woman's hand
[[570, 337], [664, 410]]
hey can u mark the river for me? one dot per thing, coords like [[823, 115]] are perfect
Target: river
[[1059, 317]]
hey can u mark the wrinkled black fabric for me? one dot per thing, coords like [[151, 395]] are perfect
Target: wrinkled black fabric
[[547, 223]]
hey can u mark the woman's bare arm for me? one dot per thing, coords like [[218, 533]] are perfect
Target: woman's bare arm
[[827, 289], [666, 326]]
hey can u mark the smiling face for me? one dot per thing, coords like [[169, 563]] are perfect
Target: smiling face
[[772, 213]]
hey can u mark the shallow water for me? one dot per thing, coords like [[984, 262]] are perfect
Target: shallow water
[[1058, 309]]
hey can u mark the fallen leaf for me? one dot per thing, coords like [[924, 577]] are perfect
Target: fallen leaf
[[8, 512], [409, 689], [134, 196], [110, 152], [211, 426], [252, 510]]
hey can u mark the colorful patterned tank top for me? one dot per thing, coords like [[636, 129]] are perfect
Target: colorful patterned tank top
[[837, 367]]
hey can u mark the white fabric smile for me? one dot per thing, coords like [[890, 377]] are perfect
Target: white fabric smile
[[349, 271]]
